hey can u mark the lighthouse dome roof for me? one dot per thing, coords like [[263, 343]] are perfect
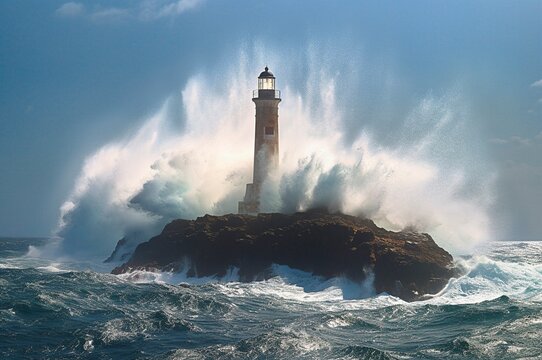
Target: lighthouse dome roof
[[266, 73]]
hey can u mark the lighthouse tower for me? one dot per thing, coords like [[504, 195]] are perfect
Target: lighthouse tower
[[266, 140]]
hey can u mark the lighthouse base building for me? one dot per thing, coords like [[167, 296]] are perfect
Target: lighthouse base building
[[266, 140]]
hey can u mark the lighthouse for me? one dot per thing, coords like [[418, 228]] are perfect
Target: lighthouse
[[266, 140]]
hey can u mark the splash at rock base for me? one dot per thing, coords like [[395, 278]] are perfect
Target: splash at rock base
[[404, 264]]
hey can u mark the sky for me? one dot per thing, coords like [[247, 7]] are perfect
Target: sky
[[75, 76]]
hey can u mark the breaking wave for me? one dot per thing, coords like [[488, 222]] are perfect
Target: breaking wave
[[427, 178], [484, 279]]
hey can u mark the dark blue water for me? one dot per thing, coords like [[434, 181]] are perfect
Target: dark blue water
[[48, 310]]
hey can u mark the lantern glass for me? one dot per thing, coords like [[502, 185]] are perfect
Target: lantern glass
[[266, 84]]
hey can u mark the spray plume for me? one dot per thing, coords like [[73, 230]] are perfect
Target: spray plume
[[133, 187]]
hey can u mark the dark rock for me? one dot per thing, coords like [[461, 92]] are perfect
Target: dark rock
[[405, 264]]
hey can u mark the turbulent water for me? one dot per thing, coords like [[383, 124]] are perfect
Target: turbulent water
[[77, 310]]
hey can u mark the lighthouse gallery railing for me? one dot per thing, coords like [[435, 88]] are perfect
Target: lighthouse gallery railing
[[266, 94]]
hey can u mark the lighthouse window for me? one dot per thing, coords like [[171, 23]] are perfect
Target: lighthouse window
[[269, 130], [266, 84]]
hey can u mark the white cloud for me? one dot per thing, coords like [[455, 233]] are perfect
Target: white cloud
[[110, 14], [516, 140], [537, 83], [520, 141], [177, 7], [70, 9], [145, 10], [155, 9], [498, 141]]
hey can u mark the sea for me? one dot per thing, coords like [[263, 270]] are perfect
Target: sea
[[67, 309]]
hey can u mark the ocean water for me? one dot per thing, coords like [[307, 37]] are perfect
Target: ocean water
[[73, 310]]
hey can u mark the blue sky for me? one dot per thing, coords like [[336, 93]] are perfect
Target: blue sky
[[77, 75]]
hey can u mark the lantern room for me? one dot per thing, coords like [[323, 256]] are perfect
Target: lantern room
[[266, 87], [266, 80]]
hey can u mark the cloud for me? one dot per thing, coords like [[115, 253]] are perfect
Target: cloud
[[516, 140], [520, 141], [537, 83], [145, 10], [151, 10], [110, 14], [498, 141], [70, 9]]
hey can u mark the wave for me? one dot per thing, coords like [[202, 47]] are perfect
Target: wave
[[485, 277], [132, 187], [285, 282], [488, 279], [483, 280]]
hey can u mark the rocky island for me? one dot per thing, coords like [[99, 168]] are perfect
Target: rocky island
[[404, 264]]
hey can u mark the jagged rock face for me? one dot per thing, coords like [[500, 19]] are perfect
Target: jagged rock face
[[405, 264]]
